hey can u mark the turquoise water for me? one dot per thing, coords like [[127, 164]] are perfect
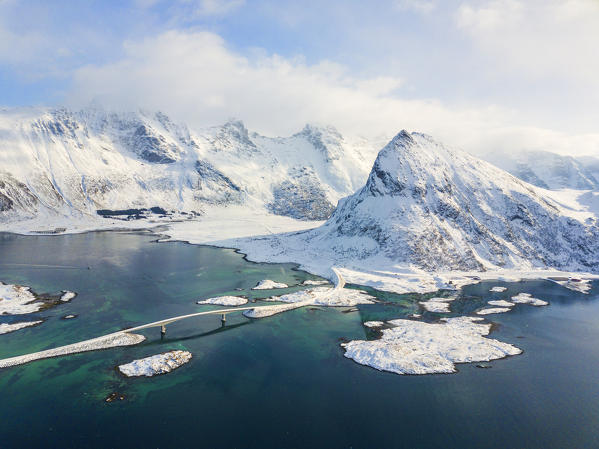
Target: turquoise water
[[281, 381]]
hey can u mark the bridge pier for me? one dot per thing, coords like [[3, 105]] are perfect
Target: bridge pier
[[163, 330], [223, 319]]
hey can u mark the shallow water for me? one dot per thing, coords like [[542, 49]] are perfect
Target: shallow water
[[280, 381]]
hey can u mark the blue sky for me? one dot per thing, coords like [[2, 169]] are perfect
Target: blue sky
[[482, 74]]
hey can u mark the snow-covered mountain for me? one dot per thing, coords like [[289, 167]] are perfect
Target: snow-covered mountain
[[549, 170], [434, 208], [75, 163]]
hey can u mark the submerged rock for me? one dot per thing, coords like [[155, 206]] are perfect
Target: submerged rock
[[114, 397], [156, 364]]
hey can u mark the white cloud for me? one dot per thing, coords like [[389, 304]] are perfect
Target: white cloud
[[538, 39], [197, 79]]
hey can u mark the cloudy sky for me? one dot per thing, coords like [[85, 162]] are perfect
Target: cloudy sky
[[486, 75]]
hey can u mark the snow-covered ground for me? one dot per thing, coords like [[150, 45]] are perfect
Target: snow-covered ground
[[268, 284], [17, 300], [492, 310], [224, 301], [156, 364], [313, 282], [437, 305], [526, 298], [318, 296], [374, 323], [67, 296], [327, 296], [576, 284], [500, 303], [415, 347], [6, 328], [282, 242]]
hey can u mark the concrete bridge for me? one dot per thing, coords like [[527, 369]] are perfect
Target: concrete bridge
[[162, 323], [126, 337]]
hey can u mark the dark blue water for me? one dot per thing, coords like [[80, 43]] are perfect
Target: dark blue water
[[279, 382]]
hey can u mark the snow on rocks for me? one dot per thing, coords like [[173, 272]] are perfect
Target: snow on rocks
[[500, 303], [319, 296], [67, 296], [492, 310], [6, 328], [373, 324], [526, 298], [415, 347], [267, 284], [326, 296], [313, 282], [437, 305], [224, 301], [156, 364], [575, 284], [17, 300], [498, 289]]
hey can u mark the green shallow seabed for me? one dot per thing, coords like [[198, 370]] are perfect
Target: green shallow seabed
[[281, 381]]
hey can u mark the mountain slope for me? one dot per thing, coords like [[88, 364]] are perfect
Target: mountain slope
[[431, 217], [550, 170], [442, 209], [74, 163]]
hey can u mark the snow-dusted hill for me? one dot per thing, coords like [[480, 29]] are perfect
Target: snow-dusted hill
[[549, 170], [428, 215], [58, 162], [442, 209]]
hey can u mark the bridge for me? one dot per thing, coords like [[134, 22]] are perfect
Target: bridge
[[126, 337], [162, 323]]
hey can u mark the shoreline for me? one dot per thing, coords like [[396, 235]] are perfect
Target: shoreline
[[400, 281]]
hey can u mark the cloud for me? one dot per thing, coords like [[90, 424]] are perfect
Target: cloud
[[538, 39], [195, 77]]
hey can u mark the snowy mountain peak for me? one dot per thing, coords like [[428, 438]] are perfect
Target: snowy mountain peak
[[325, 139], [234, 133], [440, 208]]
